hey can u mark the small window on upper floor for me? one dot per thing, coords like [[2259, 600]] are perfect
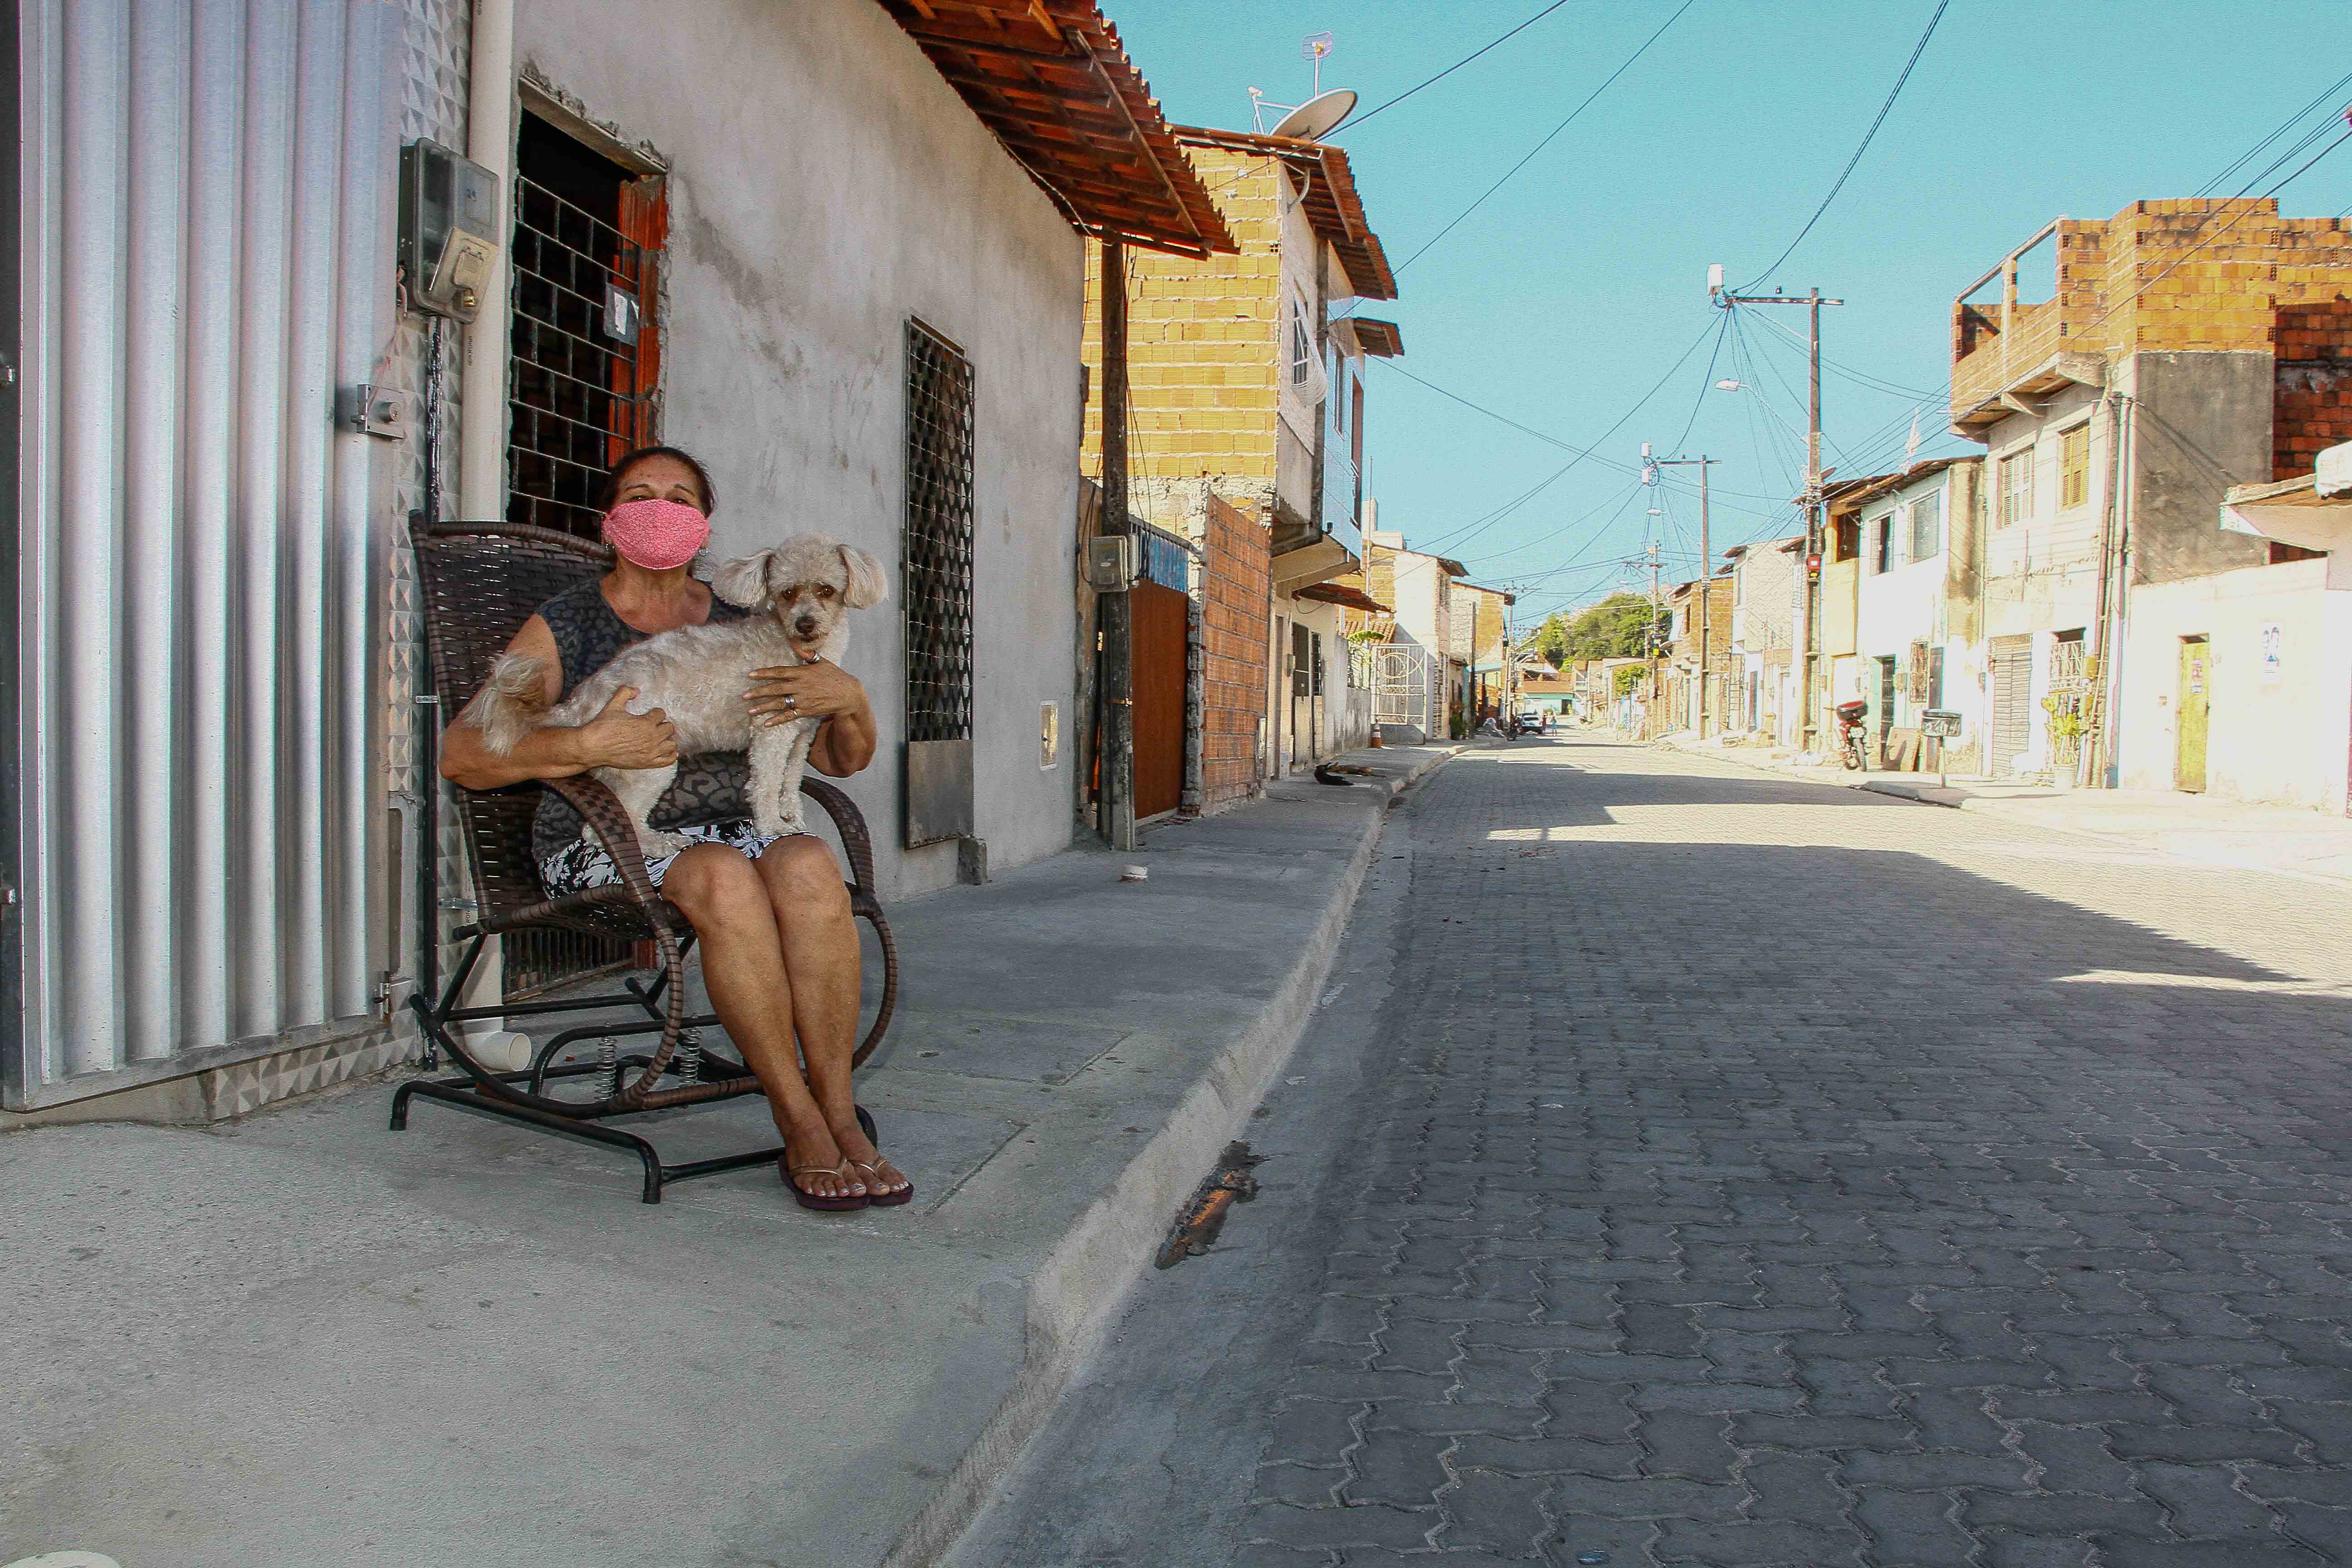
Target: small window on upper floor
[[1338, 381], [2016, 486], [1302, 345], [1881, 543], [2075, 466], [1926, 527]]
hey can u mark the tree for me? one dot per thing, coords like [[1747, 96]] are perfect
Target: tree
[[1551, 639], [1628, 677], [1616, 627]]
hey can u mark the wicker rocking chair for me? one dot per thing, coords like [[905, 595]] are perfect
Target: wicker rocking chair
[[479, 582]]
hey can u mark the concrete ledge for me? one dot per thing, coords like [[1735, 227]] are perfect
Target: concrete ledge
[[299, 1338]]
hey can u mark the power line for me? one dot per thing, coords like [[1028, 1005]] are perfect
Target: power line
[[2234, 219], [1457, 65], [1584, 452], [1916, 50], [2256, 150], [1555, 131]]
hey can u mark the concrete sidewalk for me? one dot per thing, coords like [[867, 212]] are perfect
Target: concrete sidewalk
[[300, 1338], [2283, 839], [2193, 827]]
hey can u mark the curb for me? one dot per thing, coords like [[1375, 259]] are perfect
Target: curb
[[1084, 1280]]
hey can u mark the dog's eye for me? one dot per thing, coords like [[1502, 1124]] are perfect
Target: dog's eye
[[824, 590]]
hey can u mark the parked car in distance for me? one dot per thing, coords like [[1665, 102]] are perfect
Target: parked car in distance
[[1534, 720]]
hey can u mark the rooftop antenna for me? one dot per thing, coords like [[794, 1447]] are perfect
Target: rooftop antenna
[[1318, 116]]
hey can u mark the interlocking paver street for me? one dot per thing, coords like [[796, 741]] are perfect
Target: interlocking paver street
[[1749, 1172]]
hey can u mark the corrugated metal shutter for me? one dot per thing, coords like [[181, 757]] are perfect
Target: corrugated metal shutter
[[207, 197], [2012, 701]]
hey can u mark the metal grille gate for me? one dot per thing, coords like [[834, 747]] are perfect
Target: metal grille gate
[[937, 570], [938, 538], [572, 376], [1401, 686]]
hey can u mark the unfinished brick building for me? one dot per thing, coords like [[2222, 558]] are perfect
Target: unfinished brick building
[[2187, 346], [1241, 396]]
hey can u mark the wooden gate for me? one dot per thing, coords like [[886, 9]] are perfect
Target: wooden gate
[[2012, 701], [1157, 618]]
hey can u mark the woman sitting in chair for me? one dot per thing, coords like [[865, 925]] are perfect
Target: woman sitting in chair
[[778, 949]]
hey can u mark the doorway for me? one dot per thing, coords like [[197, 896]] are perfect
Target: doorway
[[1156, 631], [1881, 701], [2195, 711], [584, 357], [2012, 702]]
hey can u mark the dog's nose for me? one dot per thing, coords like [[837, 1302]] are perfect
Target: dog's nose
[[805, 625]]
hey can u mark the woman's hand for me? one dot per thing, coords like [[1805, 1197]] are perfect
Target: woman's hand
[[812, 691], [826, 693], [618, 738]]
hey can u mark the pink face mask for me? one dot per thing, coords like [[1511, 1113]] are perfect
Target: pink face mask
[[658, 535]]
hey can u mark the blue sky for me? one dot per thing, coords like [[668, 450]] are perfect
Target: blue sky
[[1569, 292]]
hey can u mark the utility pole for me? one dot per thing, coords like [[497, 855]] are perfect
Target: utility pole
[[1814, 473], [1705, 560], [1650, 635], [1118, 814]]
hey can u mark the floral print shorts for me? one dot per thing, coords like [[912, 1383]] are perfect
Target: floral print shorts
[[583, 863]]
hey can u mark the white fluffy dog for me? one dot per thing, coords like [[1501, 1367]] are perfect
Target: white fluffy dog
[[697, 675]]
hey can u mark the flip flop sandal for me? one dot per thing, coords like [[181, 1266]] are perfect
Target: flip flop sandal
[[809, 1200], [871, 1175]]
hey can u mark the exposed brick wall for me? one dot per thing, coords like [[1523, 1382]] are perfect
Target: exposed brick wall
[[1235, 574], [1201, 343], [2159, 276], [2312, 407]]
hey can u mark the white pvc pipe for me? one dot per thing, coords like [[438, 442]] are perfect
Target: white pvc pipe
[[482, 384], [482, 389]]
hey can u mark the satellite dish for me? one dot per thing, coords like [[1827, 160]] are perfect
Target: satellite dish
[[1318, 117]]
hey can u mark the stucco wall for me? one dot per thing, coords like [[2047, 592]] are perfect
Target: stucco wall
[[2202, 425], [2042, 574], [2282, 742], [826, 184]]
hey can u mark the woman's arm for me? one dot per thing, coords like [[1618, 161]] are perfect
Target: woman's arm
[[613, 739], [844, 741]]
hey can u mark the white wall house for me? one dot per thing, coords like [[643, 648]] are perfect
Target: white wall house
[[1764, 597], [220, 780], [1913, 658], [1423, 592]]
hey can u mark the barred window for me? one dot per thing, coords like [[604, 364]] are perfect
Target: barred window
[[938, 546], [583, 360]]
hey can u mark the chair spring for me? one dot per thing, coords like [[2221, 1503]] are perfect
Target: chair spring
[[608, 1066], [688, 1065]]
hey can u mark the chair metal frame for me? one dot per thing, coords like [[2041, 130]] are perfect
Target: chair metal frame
[[478, 582]]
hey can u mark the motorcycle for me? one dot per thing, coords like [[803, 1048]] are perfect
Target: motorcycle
[[1852, 735]]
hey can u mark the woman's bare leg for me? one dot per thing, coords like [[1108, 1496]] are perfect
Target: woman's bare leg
[[743, 968], [819, 938]]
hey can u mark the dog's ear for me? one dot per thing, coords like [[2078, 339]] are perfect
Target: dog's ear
[[743, 583], [868, 587]]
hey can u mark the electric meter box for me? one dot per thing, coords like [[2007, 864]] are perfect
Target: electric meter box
[[1112, 561], [449, 230]]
